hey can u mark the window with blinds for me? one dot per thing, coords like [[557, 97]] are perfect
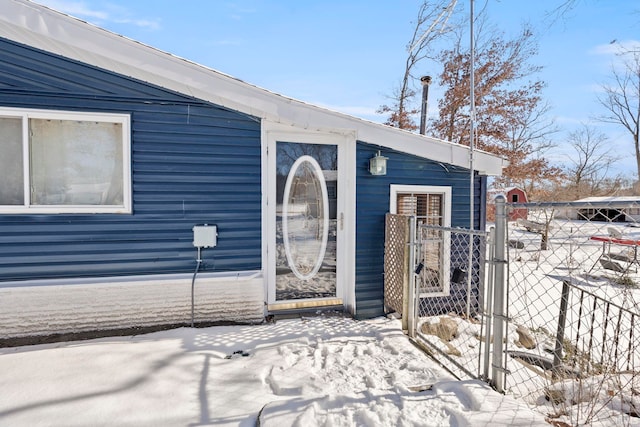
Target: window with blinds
[[428, 208]]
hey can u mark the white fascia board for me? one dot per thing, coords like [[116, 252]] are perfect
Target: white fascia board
[[431, 148], [46, 29]]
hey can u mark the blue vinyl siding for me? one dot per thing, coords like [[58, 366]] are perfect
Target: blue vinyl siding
[[192, 163], [372, 203]]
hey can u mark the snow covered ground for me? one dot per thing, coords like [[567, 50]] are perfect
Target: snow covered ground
[[323, 370], [333, 371]]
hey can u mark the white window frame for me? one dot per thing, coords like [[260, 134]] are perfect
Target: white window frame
[[445, 191], [27, 207]]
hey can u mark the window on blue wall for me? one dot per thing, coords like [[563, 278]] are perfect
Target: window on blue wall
[[431, 206], [58, 162]]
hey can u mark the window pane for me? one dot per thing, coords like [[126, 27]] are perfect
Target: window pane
[[434, 213], [407, 204], [11, 165], [76, 162], [427, 207]]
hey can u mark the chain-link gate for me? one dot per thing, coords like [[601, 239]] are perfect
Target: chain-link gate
[[442, 272]]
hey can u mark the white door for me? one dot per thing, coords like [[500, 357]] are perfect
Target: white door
[[304, 251]]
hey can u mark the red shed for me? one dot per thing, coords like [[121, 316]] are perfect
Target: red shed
[[512, 195]]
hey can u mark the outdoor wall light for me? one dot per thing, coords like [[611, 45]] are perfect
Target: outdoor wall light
[[378, 164]]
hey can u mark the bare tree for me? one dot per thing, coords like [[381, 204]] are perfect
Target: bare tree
[[502, 89], [561, 10], [564, 8], [590, 162], [527, 140], [621, 99], [431, 25], [511, 115]]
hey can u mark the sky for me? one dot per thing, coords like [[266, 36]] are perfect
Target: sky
[[349, 56]]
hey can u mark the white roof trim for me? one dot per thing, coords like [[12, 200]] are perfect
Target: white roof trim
[[38, 26]]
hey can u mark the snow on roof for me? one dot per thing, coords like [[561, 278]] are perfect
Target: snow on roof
[[504, 190], [610, 199], [32, 24], [495, 192]]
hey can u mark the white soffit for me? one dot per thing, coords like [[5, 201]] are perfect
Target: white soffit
[[38, 26]]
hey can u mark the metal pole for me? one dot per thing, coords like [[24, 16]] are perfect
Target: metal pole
[[557, 351], [412, 277], [426, 81], [498, 295], [472, 100], [469, 273], [407, 276], [489, 304], [471, 174]]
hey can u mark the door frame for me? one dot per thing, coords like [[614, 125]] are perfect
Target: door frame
[[345, 140]]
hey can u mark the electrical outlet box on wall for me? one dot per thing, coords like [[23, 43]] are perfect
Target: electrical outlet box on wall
[[205, 236]]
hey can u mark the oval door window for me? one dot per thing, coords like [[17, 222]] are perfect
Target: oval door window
[[305, 217]]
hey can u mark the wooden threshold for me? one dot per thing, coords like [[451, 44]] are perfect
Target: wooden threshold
[[311, 304]]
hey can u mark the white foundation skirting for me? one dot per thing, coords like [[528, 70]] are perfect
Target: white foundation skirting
[[28, 309]]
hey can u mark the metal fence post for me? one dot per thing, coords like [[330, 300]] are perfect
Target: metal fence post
[[562, 319], [410, 277], [489, 285], [406, 277], [499, 293]]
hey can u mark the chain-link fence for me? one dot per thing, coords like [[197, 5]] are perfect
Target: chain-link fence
[[545, 307], [573, 339]]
